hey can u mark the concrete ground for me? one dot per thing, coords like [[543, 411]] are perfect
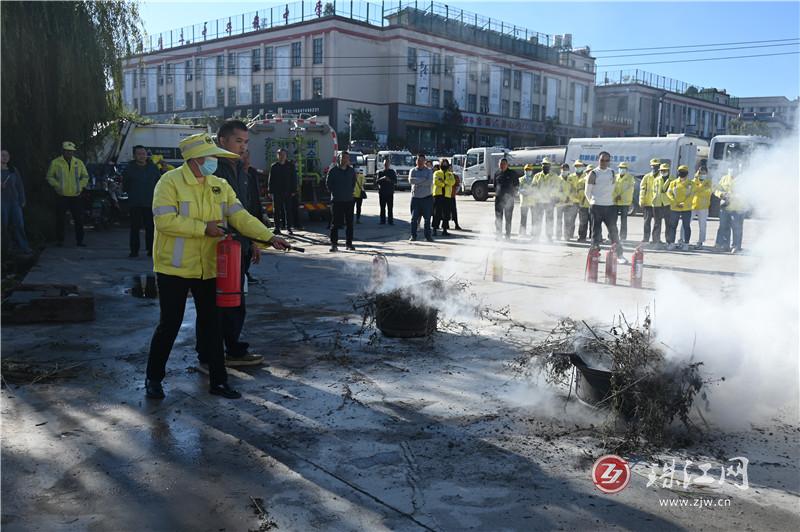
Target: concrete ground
[[343, 429]]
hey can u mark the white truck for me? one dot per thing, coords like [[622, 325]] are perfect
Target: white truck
[[674, 149], [482, 163], [311, 146], [158, 139], [402, 161]]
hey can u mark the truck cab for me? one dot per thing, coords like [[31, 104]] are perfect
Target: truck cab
[[479, 168], [401, 161]]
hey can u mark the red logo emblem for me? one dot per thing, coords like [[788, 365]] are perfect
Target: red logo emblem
[[611, 474]]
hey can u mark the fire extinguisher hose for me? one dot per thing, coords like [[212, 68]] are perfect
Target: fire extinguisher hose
[[291, 247]]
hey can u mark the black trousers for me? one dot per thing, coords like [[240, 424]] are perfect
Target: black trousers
[[622, 212], [141, 218], [358, 201], [441, 212], [503, 208], [685, 218], [648, 214], [386, 201], [454, 210], [283, 212], [605, 215], [660, 214], [342, 215], [583, 222], [172, 292], [73, 204]]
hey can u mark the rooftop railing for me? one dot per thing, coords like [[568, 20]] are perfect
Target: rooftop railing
[[656, 81]]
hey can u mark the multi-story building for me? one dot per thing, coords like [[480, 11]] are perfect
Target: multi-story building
[[778, 114], [404, 64], [638, 103]]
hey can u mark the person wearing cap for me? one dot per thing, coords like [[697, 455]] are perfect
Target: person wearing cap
[[282, 184], [68, 177], [341, 182], [679, 194], [506, 187], [444, 182], [527, 199], [190, 205], [732, 209], [599, 191], [566, 210], [623, 197], [138, 181], [661, 203], [701, 202], [547, 185], [579, 201], [162, 164], [647, 193]]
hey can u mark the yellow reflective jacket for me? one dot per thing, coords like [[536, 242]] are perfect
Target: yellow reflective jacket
[[647, 190], [443, 183], [547, 186], [579, 194], [679, 194], [181, 209], [701, 189], [660, 187], [561, 190], [527, 191], [67, 178], [727, 187], [623, 189], [359, 185]]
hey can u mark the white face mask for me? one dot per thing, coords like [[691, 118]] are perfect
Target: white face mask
[[528, 173], [623, 171], [579, 170], [703, 177], [564, 173], [664, 173]]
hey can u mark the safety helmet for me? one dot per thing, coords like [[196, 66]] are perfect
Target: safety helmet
[[683, 168], [623, 164], [545, 161], [579, 163], [528, 167], [664, 166], [655, 162]]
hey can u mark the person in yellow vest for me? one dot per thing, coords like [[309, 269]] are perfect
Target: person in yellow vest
[[546, 185], [565, 209], [701, 201], [578, 198], [444, 183], [679, 194], [190, 204], [68, 177], [647, 193], [623, 197], [661, 210], [732, 209], [162, 164], [527, 199], [359, 194]]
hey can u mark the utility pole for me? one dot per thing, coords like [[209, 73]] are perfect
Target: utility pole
[[350, 132]]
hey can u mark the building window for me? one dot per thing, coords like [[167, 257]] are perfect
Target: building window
[[296, 94], [448, 98], [537, 84], [189, 102], [255, 90], [435, 98], [436, 65], [135, 104], [536, 112], [448, 65], [472, 103], [515, 110], [517, 79], [317, 51], [506, 77], [142, 105], [189, 70], [134, 78], [571, 116], [169, 74], [484, 73], [268, 58], [268, 93], [411, 94], [317, 88], [484, 104], [256, 59], [412, 58], [505, 109], [198, 68], [160, 103], [297, 51], [142, 78], [231, 64], [198, 98], [231, 96], [160, 74], [220, 65], [220, 97]]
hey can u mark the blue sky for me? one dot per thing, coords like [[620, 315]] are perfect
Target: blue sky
[[615, 25]]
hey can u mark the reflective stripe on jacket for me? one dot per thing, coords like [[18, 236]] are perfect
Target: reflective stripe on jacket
[[443, 183], [67, 178], [181, 209]]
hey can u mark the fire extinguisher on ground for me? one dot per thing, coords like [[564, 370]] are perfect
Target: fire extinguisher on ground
[[592, 264], [637, 268], [611, 265]]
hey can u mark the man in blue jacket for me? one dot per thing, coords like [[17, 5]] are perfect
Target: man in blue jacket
[[341, 182]]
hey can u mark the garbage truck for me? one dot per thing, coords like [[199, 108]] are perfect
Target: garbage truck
[[482, 163], [311, 147]]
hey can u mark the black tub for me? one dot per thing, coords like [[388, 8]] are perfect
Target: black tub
[[396, 316]]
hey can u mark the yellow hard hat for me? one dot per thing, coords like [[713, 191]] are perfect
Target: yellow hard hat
[[590, 167], [68, 146], [202, 145], [545, 161], [623, 164], [528, 167], [579, 163], [655, 162], [664, 166], [683, 168], [156, 158]]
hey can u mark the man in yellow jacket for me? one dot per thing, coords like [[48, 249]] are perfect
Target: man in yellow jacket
[[566, 210], [623, 197], [547, 187], [190, 204], [661, 210], [732, 210], [527, 199], [647, 193], [679, 195], [578, 199], [444, 182], [701, 201], [68, 177]]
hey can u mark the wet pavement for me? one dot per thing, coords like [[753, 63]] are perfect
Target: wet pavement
[[342, 429]]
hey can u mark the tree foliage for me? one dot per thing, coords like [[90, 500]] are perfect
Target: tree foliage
[[363, 126], [550, 126], [737, 126], [452, 126], [61, 80]]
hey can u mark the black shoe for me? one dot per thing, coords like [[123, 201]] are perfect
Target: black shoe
[[334, 249], [225, 391], [412, 239], [132, 255], [153, 389], [429, 239], [435, 233], [458, 228], [290, 231], [252, 280], [445, 233], [277, 232], [351, 247]]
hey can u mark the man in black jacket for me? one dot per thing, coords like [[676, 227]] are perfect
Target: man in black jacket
[[139, 180], [386, 181], [506, 186], [282, 185]]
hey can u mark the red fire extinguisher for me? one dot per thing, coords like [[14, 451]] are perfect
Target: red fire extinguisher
[[229, 272], [611, 265], [592, 264], [637, 267]]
